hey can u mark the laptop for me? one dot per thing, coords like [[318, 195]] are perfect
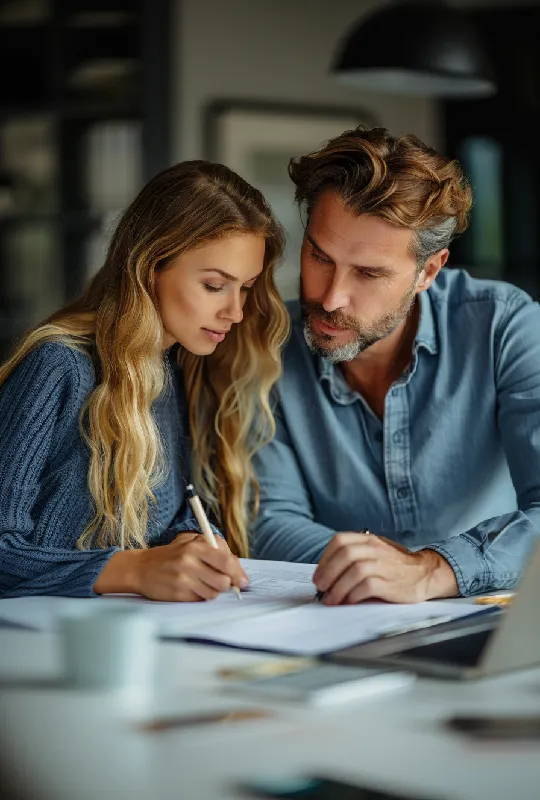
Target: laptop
[[470, 648]]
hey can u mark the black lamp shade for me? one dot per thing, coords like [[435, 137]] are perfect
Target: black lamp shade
[[416, 48]]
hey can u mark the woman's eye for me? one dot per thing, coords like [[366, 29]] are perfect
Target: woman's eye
[[210, 287], [318, 257]]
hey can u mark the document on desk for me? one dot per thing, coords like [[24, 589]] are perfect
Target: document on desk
[[314, 629], [276, 613], [274, 585]]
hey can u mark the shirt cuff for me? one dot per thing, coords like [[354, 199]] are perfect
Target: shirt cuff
[[470, 567]]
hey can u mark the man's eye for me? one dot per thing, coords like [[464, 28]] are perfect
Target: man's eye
[[370, 275], [210, 287]]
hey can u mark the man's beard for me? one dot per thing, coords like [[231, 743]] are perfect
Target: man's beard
[[363, 336]]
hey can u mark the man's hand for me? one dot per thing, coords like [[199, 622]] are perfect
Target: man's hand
[[356, 567]]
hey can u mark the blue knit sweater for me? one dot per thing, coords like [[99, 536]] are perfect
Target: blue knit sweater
[[45, 504]]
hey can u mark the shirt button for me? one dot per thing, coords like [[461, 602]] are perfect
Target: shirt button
[[402, 493], [395, 392], [397, 437]]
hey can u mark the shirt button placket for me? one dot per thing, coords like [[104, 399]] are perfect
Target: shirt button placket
[[397, 460]]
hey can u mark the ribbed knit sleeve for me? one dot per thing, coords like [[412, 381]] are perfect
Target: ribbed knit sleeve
[[44, 500]]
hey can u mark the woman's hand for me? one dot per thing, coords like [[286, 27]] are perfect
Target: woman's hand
[[188, 569]]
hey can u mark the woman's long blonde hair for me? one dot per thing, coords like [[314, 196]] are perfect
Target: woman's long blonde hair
[[117, 322]]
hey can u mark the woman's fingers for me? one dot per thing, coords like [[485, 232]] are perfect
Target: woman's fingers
[[223, 561]]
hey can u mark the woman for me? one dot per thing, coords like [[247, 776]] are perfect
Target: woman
[[102, 413]]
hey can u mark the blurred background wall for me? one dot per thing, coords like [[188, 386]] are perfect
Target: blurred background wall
[[272, 50], [98, 95]]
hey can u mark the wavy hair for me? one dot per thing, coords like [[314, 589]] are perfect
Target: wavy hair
[[397, 178], [116, 321]]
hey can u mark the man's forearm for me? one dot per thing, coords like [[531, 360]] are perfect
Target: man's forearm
[[289, 537]]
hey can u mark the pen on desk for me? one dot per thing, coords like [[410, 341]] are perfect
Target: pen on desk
[[319, 595], [188, 721], [202, 519], [495, 599]]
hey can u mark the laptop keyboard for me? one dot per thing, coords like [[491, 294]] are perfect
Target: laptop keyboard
[[463, 651]]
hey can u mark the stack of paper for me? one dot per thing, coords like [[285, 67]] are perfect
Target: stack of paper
[[277, 613]]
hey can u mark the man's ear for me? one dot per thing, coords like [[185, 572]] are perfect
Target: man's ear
[[431, 269]]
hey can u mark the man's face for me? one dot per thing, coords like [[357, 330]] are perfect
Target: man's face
[[358, 279]]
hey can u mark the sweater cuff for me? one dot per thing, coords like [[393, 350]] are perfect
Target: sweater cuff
[[82, 582], [189, 524]]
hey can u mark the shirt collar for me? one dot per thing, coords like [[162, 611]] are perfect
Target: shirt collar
[[338, 387], [426, 335]]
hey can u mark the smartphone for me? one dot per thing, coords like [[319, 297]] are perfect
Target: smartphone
[[323, 684], [317, 788], [497, 727]]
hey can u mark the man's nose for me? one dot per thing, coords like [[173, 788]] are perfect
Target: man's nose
[[336, 296]]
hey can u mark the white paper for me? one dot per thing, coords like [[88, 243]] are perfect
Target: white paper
[[273, 585], [315, 628], [275, 614], [280, 580]]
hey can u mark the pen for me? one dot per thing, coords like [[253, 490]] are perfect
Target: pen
[[204, 525], [319, 595], [188, 721], [495, 599]]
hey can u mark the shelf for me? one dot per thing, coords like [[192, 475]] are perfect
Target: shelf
[[83, 45], [96, 110], [89, 67]]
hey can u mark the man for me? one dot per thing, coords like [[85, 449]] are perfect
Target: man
[[410, 400]]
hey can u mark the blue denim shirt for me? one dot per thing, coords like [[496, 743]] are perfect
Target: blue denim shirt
[[454, 465]]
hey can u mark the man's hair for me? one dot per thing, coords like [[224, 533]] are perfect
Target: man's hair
[[397, 178]]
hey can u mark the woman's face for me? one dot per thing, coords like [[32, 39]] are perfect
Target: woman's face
[[201, 293]]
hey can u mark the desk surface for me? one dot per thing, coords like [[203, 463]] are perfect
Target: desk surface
[[76, 746]]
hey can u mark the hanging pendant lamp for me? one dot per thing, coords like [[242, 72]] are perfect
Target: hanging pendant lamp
[[416, 48]]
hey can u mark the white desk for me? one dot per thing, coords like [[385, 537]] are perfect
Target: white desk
[[75, 746]]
